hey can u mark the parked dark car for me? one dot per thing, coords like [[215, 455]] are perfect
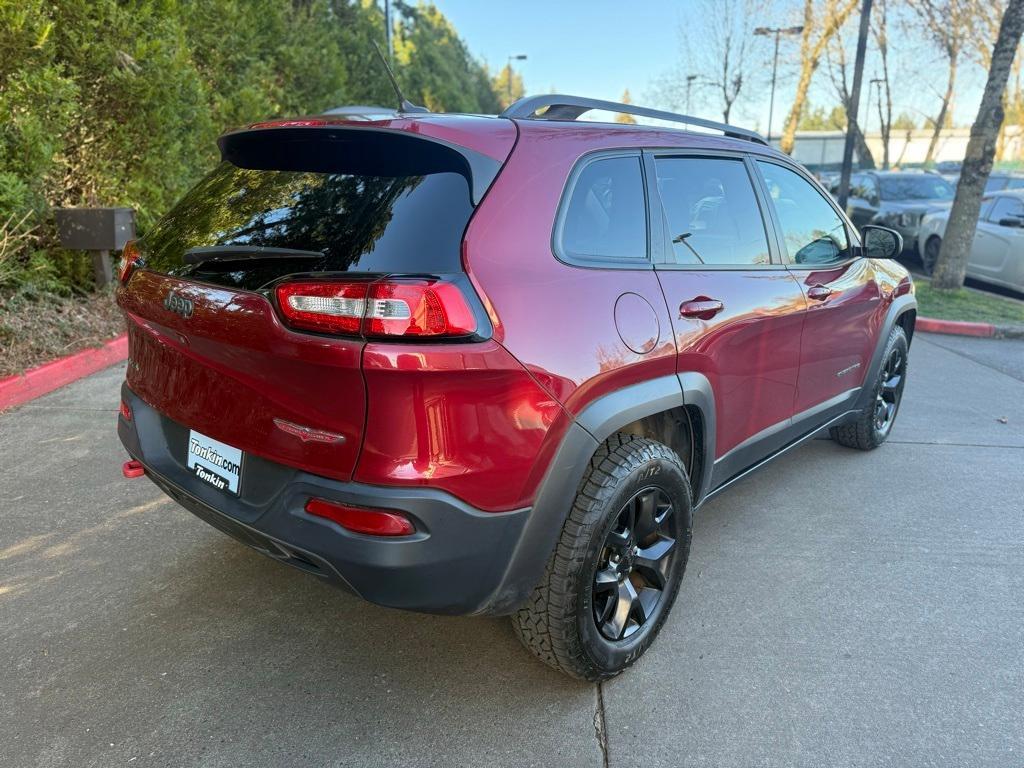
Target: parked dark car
[[999, 181], [897, 199], [492, 364]]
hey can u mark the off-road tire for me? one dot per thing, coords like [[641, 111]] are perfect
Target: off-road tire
[[557, 623], [930, 254], [862, 431]]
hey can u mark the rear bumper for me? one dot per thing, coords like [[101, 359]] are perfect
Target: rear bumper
[[459, 561]]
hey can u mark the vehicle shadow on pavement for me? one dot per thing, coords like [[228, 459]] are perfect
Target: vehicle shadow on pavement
[[222, 640]]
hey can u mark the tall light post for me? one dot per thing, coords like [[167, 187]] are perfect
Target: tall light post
[[851, 115], [883, 128], [387, 30], [689, 85], [777, 32], [512, 57]]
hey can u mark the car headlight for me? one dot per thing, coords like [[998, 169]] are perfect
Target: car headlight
[[909, 219]]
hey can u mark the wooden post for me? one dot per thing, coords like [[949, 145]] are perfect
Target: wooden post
[[101, 268]]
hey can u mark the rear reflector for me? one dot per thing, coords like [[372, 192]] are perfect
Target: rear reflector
[[402, 307], [373, 522], [126, 411]]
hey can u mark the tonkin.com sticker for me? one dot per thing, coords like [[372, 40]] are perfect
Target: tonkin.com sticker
[[214, 462]]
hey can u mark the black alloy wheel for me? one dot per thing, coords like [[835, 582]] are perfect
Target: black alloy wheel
[[634, 565], [890, 390], [930, 257]]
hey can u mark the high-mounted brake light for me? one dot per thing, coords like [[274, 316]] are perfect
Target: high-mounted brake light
[[130, 259], [391, 307], [289, 124]]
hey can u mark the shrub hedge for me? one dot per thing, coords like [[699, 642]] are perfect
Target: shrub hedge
[[119, 102]]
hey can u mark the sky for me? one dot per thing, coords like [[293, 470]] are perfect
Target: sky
[[598, 48]]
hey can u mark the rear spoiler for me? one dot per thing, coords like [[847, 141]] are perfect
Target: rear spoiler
[[319, 145]]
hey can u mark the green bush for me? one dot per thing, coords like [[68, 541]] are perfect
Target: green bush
[[108, 102]]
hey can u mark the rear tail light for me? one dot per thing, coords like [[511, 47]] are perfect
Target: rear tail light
[[324, 307], [130, 259], [392, 307], [373, 522], [126, 411]]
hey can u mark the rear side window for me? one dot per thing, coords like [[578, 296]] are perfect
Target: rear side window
[[606, 216], [711, 210], [360, 220], [812, 230], [1007, 208]]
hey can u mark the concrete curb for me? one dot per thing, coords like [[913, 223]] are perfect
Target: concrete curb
[[960, 328], [43, 379]]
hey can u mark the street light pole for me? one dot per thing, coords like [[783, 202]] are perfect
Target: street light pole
[[777, 32], [689, 85], [508, 83], [851, 117], [387, 30], [877, 82]]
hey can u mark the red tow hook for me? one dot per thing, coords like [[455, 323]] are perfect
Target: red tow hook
[[133, 468]]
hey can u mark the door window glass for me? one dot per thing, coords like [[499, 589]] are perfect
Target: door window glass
[[711, 211], [812, 230], [1007, 208]]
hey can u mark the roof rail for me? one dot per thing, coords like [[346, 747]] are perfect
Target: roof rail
[[562, 107]]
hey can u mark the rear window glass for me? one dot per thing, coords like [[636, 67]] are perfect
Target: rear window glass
[[359, 222], [607, 216], [925, 186]]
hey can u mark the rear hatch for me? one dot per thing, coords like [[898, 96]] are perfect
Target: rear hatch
[[209, 347]]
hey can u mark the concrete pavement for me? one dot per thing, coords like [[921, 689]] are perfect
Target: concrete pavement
[[840, 608]]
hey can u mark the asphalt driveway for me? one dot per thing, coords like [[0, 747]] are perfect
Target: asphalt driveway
[[840, 608]]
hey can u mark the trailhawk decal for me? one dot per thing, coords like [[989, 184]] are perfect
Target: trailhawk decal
[[214, 462]]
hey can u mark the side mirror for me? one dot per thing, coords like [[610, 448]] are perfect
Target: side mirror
[[1011, 221], [881, 242]]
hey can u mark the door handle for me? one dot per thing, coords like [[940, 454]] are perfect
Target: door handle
[[701, 308], [819, 292]]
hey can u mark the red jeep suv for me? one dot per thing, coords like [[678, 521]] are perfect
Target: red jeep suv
[[491, 364]]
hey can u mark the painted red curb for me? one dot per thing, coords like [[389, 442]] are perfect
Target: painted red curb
[[954, 327], [47, 377]]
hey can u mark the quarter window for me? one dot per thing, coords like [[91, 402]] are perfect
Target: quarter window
[[711, 211], [607, 217], [1007, 208], [812, 230]]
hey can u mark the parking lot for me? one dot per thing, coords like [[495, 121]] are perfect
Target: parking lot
[[840, 608]]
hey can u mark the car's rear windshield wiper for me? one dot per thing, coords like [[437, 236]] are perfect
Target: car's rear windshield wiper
[[246, 252]]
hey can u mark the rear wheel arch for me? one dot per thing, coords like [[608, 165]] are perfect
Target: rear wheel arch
[[654, 409], [676, 410]]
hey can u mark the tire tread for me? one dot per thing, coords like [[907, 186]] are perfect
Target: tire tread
[[546, 622]]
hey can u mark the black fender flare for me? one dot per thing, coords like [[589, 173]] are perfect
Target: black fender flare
[[595, 424], [899, 307]]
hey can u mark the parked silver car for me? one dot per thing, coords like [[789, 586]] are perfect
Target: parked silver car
[[997, 255]]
